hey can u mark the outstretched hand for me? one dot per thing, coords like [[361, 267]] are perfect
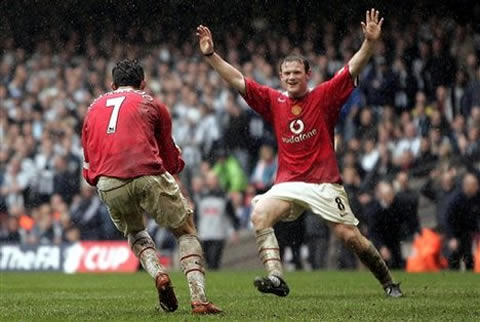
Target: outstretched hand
[[205, 40], [372, 27]]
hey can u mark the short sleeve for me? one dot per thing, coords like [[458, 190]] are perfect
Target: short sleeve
[[258, 97]]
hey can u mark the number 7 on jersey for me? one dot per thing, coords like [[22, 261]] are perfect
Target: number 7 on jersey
[[116, 103]]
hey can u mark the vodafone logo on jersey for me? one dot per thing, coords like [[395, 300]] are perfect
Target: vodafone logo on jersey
[[114, 256], [297, 127]]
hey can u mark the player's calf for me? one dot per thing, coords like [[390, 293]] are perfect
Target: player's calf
[[192, 263], [144, 248], [191, 260], [369, 256], [269, 251]]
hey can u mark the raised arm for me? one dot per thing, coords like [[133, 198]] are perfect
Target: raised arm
[[372, 29], [229, 73]]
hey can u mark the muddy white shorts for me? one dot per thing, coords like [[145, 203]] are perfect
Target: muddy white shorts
[[327, 200]]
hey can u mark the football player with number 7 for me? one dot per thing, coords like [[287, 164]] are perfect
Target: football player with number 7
[[131, 157], [308, 176]]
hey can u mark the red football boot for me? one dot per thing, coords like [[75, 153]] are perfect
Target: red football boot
[[166, 295], [205, 308]]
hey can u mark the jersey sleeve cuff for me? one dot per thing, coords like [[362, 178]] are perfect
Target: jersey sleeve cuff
[[355, 80]]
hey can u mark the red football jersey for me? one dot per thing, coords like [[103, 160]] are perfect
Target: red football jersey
[[304, 127], [127, 134]]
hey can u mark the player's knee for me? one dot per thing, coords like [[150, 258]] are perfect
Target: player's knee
[[259, 219], [349, 235], [188, 228]]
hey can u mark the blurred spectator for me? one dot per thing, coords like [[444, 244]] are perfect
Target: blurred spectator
[[66, 180], [458, 93], [438, 189], [263, 174], [45, 230], [380, 84], [407, 200], [385, 217], [216, 219], [420, 117], [290, 234], [409, 143], [472, 94], [426, 160], [442, 65], [370, 155], [15, 183], [471, 148], [42, 187], [89, 214], [207, 131], [317, 236], [236, 136], [366, 125], [11, 234], [462, 222], [229, 171]]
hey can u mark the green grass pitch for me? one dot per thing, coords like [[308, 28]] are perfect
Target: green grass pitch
[[319, 296]]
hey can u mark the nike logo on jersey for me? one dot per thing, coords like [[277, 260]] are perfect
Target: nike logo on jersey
[[281, 99]]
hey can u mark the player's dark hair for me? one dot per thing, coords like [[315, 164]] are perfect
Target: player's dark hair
[[128, 72], [295, 57]]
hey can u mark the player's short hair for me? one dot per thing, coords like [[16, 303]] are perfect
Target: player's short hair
[[128, 72], [295, 57]]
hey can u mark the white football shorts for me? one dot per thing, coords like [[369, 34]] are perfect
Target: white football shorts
[[327, 200]]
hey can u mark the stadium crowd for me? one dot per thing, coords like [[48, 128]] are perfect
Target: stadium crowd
[[415, 115]]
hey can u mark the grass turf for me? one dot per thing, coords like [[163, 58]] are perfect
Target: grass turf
[[324, 296]]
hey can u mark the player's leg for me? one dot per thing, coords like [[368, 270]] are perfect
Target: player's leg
[[164, 201], [266, 213], [330, 201], [120, 197], [144, 248], [192, 263], [369, 256]]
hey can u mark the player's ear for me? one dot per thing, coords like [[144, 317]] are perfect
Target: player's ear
[[114, 86], [142, 85], [309, 74]]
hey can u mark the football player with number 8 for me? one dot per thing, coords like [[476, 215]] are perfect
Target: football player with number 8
[[308, 177]]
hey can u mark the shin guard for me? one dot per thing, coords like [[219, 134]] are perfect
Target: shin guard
[[192, 263], [269, 252], [144, 248]]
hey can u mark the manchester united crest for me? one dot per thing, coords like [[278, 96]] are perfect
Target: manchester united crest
[[296, 110]]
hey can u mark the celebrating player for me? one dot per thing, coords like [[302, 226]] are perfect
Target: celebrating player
[[130, 156], [308, 175]]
